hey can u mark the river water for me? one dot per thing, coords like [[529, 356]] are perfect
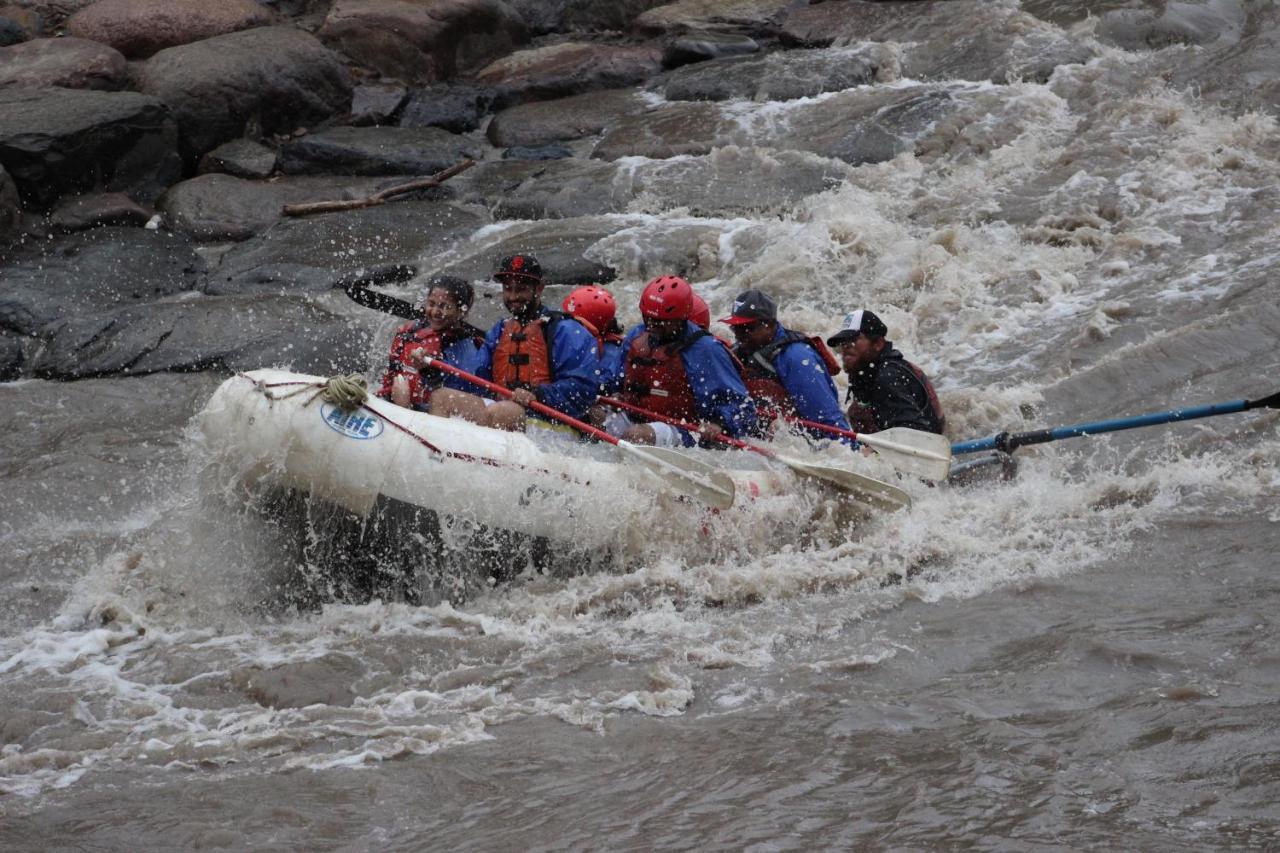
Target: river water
[[1086, 657]]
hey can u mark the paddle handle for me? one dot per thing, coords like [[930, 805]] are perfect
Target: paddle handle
[[818, 425], [676, 422], [1009, 442], [503, 391]]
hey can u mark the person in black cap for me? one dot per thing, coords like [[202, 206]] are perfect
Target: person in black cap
[[787, 373], [885, 390], [533, 352]]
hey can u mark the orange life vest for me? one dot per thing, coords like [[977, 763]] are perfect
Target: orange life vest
[[522, 357]]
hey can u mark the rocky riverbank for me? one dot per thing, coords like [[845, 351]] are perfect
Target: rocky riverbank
[[148, 146]]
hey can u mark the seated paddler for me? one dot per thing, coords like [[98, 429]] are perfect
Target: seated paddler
[[539, 353], [674, 368], [441, 332], [885, 390], [595, 308], [788, 373]]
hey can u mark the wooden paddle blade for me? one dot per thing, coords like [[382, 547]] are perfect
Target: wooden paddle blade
[[687, 475], [924, 453], [868, 490]]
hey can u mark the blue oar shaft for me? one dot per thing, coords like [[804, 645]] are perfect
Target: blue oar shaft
[[1009, 442]]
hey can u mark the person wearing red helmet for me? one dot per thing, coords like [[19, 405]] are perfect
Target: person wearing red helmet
[[595, 308], [700, 314], [675, 368], [536, 352]]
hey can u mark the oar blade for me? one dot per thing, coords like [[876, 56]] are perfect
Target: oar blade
[[868, 490], [689, 476], [923, 453]]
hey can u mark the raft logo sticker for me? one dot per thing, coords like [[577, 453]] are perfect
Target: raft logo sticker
[[361, 425]]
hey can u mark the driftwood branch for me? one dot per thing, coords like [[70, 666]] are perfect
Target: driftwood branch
[[308, 207]]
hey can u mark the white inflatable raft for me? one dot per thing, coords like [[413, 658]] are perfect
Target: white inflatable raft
[[272, 428]]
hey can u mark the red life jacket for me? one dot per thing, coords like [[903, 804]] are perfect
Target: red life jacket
[[654, 377], [409, 338], [761, 375], [522, 357]]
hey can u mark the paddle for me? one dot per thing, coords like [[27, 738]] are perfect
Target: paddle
[[882, 495], [356, 286], [1009, 442], [689, 476], [916, 451]]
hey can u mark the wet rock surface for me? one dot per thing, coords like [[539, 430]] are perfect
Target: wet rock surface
[[273, 79], [564, 119], [569, 68], [69, 63], [375, 151], [139, 28], [777, 77], [59, 141], [84, 212], [457, 107], [243, 158]]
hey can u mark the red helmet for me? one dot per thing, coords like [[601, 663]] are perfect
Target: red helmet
[[700, 314], [667, 297], [593, 304]]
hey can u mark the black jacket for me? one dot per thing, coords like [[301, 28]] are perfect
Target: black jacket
[[893, 394]]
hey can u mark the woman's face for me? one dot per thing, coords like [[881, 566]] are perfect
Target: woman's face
[[443, 311]]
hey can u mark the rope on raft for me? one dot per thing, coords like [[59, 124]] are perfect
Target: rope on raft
[[346, 392]]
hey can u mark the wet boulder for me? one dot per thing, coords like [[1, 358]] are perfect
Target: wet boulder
[[223, 207], [139, 28], [556, 189], [457, 107], [272, 78], [751, 17], [577, 16], [701, 47], [574, 117], [243, 158], [377, 103], [422, 41], [96, 209], [55, 142], [69, 63], [204, 333], [569, 68], [91, 272], [375, 151], [777, 76], [302, 252], [562, 247], [857, 126], [12, 356], [45, 17]]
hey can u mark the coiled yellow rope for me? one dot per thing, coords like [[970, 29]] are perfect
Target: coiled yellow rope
[[346, 392]]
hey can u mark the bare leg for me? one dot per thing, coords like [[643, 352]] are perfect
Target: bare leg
[[640, 434], [400, 391], [448, 403]]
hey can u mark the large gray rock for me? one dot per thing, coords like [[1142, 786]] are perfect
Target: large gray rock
[[272, 78], [778, 76], [569, 68], [943, 39], [222, 207], [45, 17], [575, 117], [558, 189], [90, 211], [453, 106], [422, 40], [204, 333], [375, 151], [568, 16], [857, 126], [70, 63], [701, 47], [303, 252], [561, 247], [59, 141], [243, 158], [139, 28], [377, 103], [752, 17], [89, 273]]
